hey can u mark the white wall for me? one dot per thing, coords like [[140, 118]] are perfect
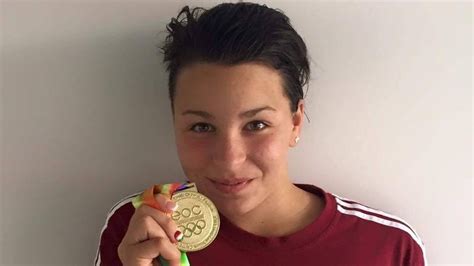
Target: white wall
[[85, 118]]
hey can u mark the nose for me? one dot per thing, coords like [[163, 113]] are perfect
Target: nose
[[229, 151]]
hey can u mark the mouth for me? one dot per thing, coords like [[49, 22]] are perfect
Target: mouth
[[232, 186]]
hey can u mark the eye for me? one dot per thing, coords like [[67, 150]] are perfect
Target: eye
[[257, 125], [201, 127]]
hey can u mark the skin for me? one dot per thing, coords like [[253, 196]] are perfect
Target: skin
[[150, 234], [226, 145]]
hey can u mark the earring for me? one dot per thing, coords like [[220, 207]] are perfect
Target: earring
[[297, 139]]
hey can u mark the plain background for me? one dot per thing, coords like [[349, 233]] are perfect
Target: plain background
[[85, 119]]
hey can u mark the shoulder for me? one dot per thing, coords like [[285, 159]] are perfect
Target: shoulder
[[378, 224], [121, 211], [362, 232], [350, 207], [114, 228]]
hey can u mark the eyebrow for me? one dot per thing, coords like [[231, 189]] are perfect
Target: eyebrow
[[248, 113]]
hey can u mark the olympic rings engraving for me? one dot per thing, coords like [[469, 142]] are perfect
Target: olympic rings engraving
[[190, 220], [193, 228]]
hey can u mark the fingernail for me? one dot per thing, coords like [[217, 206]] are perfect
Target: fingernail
[[171, 205], [178, 235]]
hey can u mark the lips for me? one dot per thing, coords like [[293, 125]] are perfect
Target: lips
[[232, 185], [231, 182]]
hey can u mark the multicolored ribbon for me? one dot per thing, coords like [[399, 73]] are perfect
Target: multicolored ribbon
[[148, 198]]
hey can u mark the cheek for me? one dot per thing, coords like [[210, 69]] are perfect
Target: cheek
[[269, 150], [264, 152], [192, 153]]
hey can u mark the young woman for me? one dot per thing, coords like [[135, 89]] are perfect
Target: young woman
[[236, 74]]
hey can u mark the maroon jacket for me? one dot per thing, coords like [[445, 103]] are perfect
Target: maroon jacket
[[346, 233]]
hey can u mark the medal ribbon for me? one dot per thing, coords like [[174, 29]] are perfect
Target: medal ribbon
[[148, 198]]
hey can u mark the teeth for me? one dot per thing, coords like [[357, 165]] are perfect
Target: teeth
[[234, 184]]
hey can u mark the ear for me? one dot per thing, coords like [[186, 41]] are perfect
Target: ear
[[297, 120]]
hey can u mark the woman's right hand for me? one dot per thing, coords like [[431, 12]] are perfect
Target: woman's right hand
[[151, 233]]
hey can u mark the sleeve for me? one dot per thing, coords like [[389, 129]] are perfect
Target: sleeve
[[415, 253], [112, 234]]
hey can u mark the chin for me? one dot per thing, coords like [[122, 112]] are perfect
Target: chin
[[235, 206]]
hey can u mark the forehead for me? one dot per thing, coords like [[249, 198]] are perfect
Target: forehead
[[240, 86]]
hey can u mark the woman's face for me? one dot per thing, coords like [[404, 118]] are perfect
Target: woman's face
[[233, 129]]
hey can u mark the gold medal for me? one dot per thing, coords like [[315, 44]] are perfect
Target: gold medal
[[197, 218]]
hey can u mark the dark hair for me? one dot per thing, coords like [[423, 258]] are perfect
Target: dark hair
[[233, 33]]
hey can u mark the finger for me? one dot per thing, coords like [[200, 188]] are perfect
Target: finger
[[165, 221], [152, 248], [166, 203], [142, 227]]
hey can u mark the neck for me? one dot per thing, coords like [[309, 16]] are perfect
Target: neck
[[288, 210]]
